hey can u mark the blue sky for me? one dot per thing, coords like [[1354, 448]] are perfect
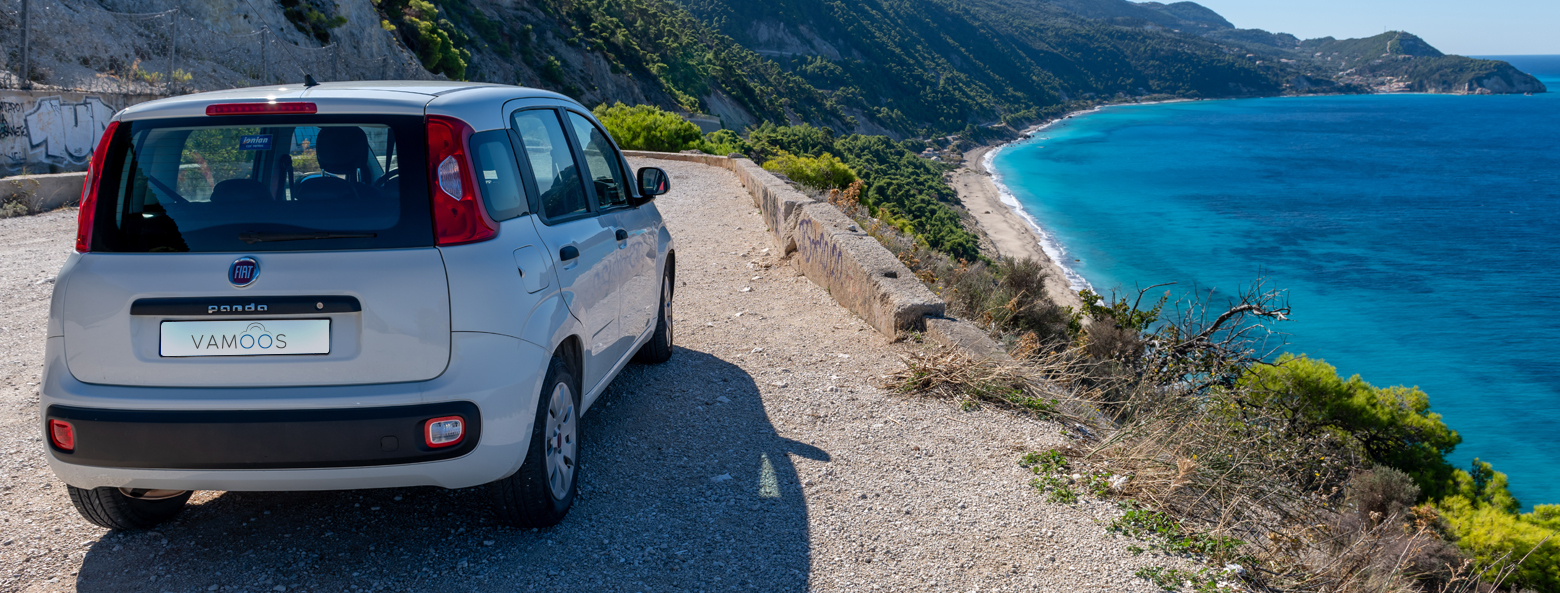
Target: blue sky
[[1485, 27]]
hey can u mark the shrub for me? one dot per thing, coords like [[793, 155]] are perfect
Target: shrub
[[434, 39], [647, 127], [311, 17], [1392, 426], [723, 143], [821, 172], [769, 140], [1497, 538], [1381, 493]]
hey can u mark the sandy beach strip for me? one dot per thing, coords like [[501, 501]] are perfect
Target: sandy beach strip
[[1008, 230]]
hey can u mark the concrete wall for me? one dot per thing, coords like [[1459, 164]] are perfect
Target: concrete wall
[[31, 194], [54, 131], [830, 249]]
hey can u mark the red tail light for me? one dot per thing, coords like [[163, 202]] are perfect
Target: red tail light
[[63, 435], [267, 108], [89, 190], [458, 215]]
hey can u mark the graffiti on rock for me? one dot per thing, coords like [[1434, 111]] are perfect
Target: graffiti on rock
[[818, 250], [53, 131]]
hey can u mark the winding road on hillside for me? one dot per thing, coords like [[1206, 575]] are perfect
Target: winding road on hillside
[[764, 457]]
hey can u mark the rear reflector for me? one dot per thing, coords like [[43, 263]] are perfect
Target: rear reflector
[[89, 190], [269, 108], [445, 431], [63, 435]]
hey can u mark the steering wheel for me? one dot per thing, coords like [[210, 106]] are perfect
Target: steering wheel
[[393, 175]]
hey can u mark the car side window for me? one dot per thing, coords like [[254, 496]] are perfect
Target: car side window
[[497, 176], [602, 165], [552, 164]]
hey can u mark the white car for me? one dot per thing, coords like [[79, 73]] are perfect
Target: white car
[[341, 286]]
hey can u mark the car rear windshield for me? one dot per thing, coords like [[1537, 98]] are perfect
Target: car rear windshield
[[264, 183]]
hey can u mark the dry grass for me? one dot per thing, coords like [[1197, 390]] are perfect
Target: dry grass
[[1163, 409]]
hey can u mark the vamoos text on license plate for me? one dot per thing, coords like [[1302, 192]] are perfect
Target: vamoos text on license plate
[[247, 337]]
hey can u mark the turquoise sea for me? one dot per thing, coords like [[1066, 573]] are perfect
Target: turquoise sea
[[1418, 236]]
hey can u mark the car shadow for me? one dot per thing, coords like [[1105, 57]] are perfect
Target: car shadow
[[686, 486]]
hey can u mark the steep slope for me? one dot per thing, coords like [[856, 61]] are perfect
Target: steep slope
[[896, 67], [946, 65]]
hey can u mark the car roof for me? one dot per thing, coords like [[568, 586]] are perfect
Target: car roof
[[390, 97]]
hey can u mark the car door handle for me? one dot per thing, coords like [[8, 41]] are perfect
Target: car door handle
[[622, 235], [569, 252]]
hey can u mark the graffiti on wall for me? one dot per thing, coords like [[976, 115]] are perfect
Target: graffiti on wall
[[42, 133]]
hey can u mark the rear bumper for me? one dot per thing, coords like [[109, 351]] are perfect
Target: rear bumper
[[261, 439], [300, 438]]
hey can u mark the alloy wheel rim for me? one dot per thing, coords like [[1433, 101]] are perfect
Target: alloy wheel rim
[[561, 441]]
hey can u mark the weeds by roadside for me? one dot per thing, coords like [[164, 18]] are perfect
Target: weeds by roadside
[[1237, 472], [950, 374]]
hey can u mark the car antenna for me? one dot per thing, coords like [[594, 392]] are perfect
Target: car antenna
[[308, 81]]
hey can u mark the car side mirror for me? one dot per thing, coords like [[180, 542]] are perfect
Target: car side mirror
[[653, 182]]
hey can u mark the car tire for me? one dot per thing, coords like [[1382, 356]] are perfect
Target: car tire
[[125, 508], [659, 348], [541, 492]]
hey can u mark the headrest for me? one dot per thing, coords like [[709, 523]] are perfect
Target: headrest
[[342, 150], [239, 190]]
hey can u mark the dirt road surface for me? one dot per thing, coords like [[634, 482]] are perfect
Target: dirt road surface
[[764, 457]]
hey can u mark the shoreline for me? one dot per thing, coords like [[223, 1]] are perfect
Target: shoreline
[[1014, 231], [1009, 231]]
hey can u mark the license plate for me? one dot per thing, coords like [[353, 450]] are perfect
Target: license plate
[[247, 337]]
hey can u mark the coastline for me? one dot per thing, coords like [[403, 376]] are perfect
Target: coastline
[[1012, 230], [1009, 231]]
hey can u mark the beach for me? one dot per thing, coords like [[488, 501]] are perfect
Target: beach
[[1007, 229]]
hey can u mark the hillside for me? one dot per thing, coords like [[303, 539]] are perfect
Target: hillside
[[903, 68]]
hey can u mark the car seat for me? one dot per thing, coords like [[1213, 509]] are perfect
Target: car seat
[[239, 190], [341, 150]]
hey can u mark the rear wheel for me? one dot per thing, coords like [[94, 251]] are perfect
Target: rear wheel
[[127, 508], [540, 494], [659, 348]]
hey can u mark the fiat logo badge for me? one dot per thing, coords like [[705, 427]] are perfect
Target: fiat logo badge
[[243, 272]]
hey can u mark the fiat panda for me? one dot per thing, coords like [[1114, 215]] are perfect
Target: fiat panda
[[343, 286]]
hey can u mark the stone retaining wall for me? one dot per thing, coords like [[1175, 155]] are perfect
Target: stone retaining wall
[[31, 194], [830, 249]]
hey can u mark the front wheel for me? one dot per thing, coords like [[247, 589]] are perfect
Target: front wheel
[[659, 348], [540, 494], [127, 508]]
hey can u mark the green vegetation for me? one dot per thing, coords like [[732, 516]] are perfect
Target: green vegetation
[[899, 187], [313, 17], [1054, 480], [936, 67], [1165, 533], [1390, 426], [685, 57], [821, 172], [436, 41], [647, 127], [1309, 480], [1175, 579], [902, 189], [724, 143], [1394, 428]]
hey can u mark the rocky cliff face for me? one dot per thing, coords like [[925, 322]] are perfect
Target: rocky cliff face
[[1505, 80], [162, 46]]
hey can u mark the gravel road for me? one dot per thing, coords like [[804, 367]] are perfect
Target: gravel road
[[763, 457]]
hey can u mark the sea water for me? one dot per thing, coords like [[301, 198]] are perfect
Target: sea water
[[1418, 237]]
